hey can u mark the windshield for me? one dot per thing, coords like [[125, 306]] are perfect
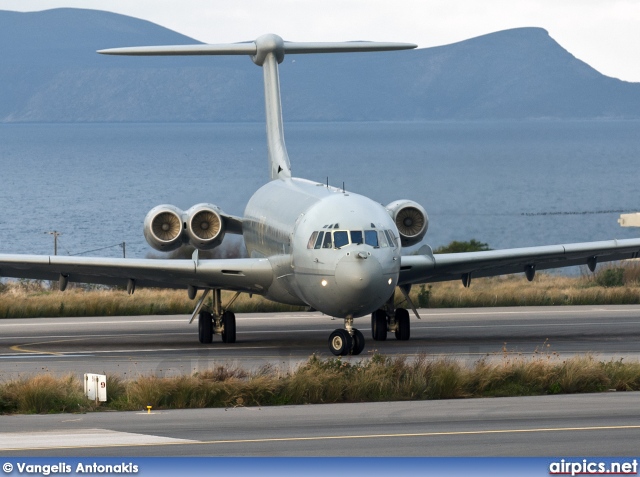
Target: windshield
[[341, 238]]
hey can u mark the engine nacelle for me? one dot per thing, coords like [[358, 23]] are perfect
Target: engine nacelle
[[164, 228], [205, 226], [411, 219], [167, 227]]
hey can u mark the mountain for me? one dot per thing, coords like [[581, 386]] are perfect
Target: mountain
[[49, 72]]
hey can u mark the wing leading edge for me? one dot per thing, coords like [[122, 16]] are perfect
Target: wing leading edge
[[251, 275], [428, 267]]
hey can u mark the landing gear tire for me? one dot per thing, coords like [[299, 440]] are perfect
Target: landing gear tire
[[358, 342], [403, 328], [205, 327], [340, 342], [379, 325], [229, 327]]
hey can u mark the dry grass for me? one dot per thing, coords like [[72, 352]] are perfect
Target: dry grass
[[27, 299], [373, 379], [43, 394], [612, 284]]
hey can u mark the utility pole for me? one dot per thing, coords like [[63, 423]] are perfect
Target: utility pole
[[124, 249], [55, 234]]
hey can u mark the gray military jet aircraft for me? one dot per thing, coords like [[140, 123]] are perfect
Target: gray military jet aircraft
[[309, 244]]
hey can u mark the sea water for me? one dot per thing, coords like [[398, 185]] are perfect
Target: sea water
[[509, 184]]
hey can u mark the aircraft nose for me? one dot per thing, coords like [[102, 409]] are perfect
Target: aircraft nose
[[361, 282], [358, 271]]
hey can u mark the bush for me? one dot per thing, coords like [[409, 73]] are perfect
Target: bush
[[424, 296], [374, 379], [472, 245], [610, 277]]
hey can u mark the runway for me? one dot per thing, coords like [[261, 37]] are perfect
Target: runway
[[572, 425], [166, 345], [601, 424]]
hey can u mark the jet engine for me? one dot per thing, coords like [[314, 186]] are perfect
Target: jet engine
[[167, 227], [411, 219], [205, 227], [163, 228]]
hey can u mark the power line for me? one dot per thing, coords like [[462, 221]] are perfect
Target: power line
[[56, 234], [121, 245]]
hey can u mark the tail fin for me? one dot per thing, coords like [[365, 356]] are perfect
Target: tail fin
[[266, 51]]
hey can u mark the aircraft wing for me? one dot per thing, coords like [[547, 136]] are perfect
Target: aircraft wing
[[251, 275], [428, 267]]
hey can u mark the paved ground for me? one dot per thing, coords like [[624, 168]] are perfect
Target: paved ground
[[603, 424], [574, 425], [166, 345]]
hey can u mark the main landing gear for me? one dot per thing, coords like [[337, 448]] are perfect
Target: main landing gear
[[397, 321], [217, 323], [209, 325], [346, 341], [390, 318]]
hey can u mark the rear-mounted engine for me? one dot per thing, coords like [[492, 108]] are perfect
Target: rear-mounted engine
[[167, 227], [411, 219]]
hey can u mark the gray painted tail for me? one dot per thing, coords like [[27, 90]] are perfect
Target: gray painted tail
[[267, 51]]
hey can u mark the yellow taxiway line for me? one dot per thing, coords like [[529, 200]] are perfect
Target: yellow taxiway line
[[345, 437]]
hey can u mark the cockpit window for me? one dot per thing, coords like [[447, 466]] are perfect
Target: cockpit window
[[327, 240], [371, 237], [340, 238], [392, 238], [384, 243], [312, 240]]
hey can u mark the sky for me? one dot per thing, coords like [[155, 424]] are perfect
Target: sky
[[603, 33]]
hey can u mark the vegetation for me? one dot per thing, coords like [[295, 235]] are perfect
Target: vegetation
[[30, 298], [377, 378], [373, 379], [611, 284], [472, 245]]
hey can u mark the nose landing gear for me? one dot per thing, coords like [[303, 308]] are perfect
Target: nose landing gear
[[346, 341]]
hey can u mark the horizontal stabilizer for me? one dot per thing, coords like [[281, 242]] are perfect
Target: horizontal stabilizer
[[251, 48], [177, 50]]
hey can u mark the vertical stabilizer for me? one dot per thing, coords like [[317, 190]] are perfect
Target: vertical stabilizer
[[267, 51]]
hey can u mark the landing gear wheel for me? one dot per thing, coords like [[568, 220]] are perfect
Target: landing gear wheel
[[379, 325], [403, 330], [205, 327], [358, 342], [229, 327], [340, 342]]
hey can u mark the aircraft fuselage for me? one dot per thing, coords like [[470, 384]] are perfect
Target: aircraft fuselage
[[335, 251]]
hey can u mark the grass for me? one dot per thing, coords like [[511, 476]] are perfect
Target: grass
[[373, 379], [33, 299], [377, 378], [612, 284]]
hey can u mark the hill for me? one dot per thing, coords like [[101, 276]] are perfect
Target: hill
[[49, 72]]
